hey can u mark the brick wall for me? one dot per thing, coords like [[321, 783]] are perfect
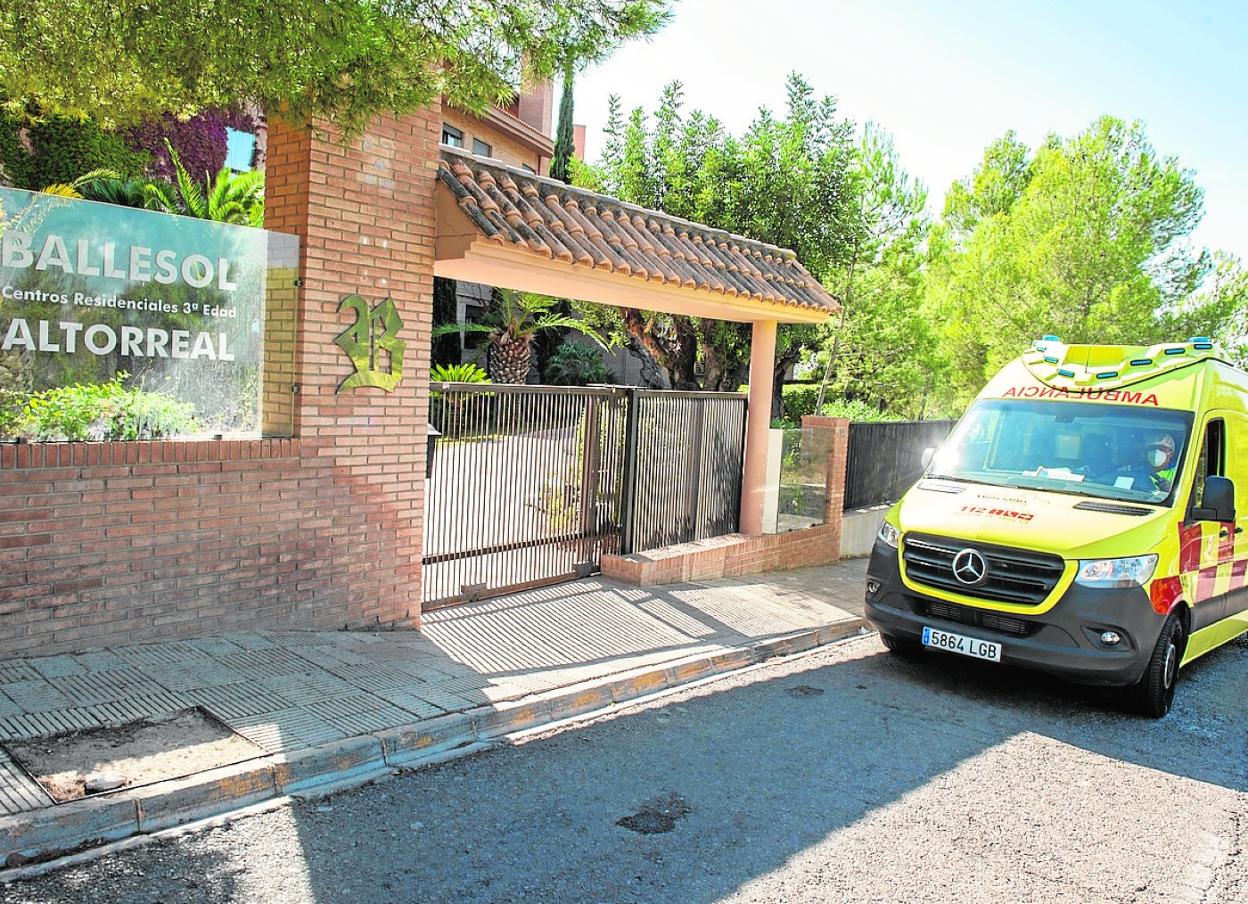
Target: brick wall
[[109, 542], [738, 554]]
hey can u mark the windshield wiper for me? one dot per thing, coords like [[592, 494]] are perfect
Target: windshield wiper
[[986, 483], [1068, 490]]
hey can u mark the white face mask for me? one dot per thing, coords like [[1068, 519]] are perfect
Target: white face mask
[[1157, 457]]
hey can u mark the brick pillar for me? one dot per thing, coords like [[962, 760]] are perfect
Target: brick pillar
[[365, 216], [838, 458]]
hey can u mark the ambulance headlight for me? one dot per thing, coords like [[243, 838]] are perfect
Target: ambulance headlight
[[1132, 572], [888, 534]]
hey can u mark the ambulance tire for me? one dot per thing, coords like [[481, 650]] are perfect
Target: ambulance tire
[[1154, 694], [900, 646]]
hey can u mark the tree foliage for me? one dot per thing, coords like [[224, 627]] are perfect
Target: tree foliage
[[1086, 237], [346, 61], [513, 322], [785, 182], [881, 350], [561, 161]]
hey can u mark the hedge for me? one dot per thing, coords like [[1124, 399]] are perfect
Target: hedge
[[798, 400], [63, 148]]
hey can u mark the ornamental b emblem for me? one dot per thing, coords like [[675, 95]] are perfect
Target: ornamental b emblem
[[374, 332]]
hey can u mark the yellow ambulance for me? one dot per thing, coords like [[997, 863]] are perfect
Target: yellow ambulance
[[1080, 519]]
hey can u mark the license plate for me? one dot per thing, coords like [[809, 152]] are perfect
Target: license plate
[[957, 643]]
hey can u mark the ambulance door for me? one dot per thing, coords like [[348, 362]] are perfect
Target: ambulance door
[[1236, 541], [1203, 547]]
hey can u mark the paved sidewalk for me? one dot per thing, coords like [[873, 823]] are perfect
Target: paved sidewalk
[[287, 691]]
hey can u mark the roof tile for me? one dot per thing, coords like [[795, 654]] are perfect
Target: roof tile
[[583, 228]]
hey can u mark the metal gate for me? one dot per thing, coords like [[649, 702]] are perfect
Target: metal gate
[[525, 487], [885, 459], [531, 485], [689, 448]]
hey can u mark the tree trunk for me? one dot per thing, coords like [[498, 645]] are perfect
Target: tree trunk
[[721, 346], [784, 360], [684, 363], [676, 355], [651, 372], [510, 359]]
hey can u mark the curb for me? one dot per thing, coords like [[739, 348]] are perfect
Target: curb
[[41, 835]]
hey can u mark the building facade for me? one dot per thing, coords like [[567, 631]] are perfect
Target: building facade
[[317, 522]]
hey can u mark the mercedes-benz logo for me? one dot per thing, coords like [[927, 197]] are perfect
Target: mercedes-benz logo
[[969, 567]]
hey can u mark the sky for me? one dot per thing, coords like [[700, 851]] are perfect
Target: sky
[[947, 78]]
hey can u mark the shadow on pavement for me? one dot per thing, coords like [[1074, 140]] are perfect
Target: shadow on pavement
[[738, 782]]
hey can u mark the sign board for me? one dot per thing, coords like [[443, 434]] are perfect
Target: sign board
[[175, 304]]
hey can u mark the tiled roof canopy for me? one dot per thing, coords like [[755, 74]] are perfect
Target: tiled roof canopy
[[585, 229]]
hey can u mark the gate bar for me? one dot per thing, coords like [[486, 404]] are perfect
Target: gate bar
[[629, 492]]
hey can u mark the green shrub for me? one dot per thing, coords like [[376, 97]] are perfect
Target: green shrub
[[574, 364], [103, 411], [855, 410], [457, 373], [450, 416], [799, 399], [11, 405]]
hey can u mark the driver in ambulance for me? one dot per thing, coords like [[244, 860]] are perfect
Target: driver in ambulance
[[1160, 453], [1153, 469]]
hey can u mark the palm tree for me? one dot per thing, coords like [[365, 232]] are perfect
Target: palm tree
[[518, 317], [111, 188], [84, 185], [228, 197]]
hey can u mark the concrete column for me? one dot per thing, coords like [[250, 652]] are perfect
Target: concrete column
[[758, 422], [771, 491]]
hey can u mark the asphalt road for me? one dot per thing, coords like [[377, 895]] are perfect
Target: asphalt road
[[846, 775]]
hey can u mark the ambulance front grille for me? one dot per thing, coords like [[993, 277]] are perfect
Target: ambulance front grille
[[993, 621], [1013, 575]]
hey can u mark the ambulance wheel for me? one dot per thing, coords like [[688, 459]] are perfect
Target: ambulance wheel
[[1154, 694], [900, 646]]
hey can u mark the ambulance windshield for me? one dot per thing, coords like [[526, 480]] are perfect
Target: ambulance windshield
[[1119, 452]]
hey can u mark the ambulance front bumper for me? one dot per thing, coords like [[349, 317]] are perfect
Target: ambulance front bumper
[[1065, 640]]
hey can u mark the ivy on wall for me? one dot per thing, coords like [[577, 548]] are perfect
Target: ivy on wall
[[201, 141], [62, 149], [14, 158], [57, 149]]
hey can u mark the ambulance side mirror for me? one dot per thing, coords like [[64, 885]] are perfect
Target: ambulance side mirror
[[928, 454], [1219, 500]]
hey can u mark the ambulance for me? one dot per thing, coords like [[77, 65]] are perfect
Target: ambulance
[[1080, 519]]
